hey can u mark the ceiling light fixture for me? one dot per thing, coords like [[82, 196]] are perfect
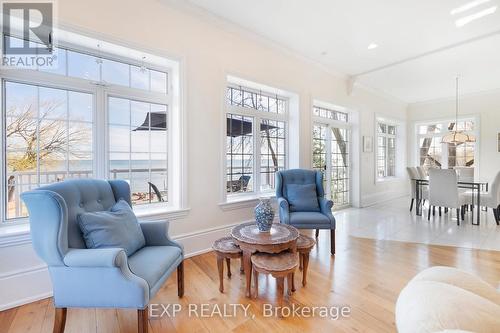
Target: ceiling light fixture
[[372, 46], [468, 6], [454, 136], [468, 19]]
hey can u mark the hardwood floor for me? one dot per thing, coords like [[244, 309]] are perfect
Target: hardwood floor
[[365, 275]]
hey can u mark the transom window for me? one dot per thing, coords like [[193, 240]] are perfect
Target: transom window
[[330, 114], [386, 150], [94, 115], [256, 141], [432, 152], [99, 68]]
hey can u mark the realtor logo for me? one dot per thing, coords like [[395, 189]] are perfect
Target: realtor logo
[[28, 34]]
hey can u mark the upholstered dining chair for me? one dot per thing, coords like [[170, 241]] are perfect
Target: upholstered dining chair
[[104, 277], [302, 202], [414, 174], [491, 199], [443, 192], [422, 174]]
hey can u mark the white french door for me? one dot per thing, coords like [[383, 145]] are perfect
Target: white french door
[[331, 146]]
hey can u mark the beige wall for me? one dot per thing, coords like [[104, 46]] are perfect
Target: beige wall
[[485, 106], [209, 51]]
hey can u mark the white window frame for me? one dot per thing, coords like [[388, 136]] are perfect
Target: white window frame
[[100, 92], [257, 116], [329, 123], [400, 147], [444, 123], [387, 136]]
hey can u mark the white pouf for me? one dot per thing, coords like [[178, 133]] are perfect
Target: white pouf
[[450, 300]]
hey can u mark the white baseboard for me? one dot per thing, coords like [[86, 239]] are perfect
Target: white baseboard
[[32, 284]]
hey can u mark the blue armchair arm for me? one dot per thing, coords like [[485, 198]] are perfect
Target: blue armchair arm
[[325, 206], [284, 210], [109, 257], [156, 234]]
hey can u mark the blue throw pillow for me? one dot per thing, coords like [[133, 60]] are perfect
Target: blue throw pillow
[[117, 227], [302, 198]]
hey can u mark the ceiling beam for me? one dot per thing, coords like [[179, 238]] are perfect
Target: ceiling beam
[[428, 53]]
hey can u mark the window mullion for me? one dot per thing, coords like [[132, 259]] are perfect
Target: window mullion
[[100, 145], [256, 149]]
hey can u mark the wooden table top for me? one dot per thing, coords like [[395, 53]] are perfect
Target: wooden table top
[[226, 245], [250, 234], [284, 261], [305, 242]]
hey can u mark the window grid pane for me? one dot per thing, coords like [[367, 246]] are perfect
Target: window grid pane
[[386, 150], [319, 150], [340, 166], [45, 143], [330, 114], [138, 148], [272, 152], [239, 154], [255, 100]]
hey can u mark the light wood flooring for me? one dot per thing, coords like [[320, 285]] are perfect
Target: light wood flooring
[[366, 275]]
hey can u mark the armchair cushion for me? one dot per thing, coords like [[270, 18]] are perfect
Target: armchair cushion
[[302, 198], [310, 220], [116, 228], [152, 262]]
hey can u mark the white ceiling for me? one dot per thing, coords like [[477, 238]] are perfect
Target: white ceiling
[[403, 29]]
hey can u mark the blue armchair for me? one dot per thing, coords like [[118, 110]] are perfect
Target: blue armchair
[[99, 278], [305, 215]]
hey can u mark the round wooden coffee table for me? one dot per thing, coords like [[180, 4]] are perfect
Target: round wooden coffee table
[[247, 236]]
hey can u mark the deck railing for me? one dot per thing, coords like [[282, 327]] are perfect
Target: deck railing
[[19, 182]]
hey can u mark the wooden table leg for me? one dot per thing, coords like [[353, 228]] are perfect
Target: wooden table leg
[[304, 268], [220, 267], [280, 291], [256, 283], [247, 266], [228, 262], [289, 284]]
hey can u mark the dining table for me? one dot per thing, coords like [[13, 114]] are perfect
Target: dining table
[[475, 186]]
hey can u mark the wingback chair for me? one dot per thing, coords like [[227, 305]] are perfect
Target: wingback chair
[[100, 278], [305, 215]]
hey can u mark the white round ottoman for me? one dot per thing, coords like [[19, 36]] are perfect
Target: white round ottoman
[[445, 299]]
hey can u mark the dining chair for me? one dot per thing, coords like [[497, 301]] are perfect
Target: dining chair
[[491, 198], [443, 192], [413, 174], [421, 172], [465, 174]]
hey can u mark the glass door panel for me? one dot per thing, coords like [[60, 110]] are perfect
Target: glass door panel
[[331, 156]]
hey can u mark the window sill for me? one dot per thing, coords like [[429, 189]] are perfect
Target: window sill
[[15, 234], [244, 201], [152, 213], [19, 233]]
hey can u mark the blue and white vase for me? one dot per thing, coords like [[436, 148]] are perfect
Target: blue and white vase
[[264, 215]]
